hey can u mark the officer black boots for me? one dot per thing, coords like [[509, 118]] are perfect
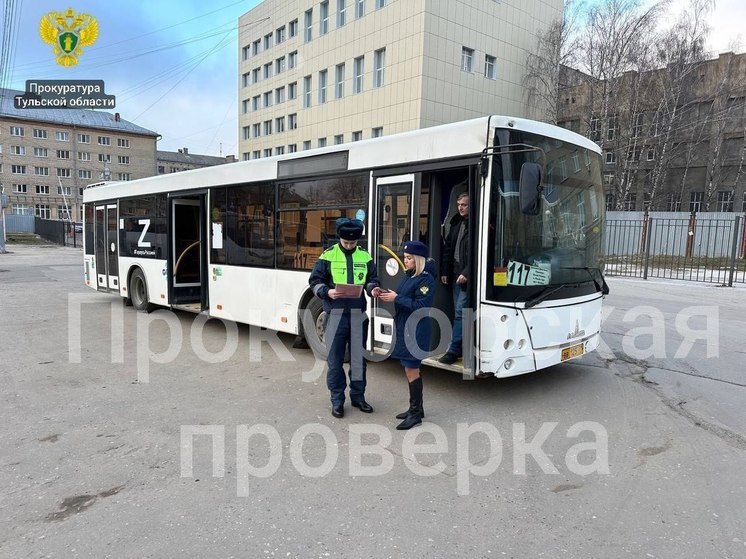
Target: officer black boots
[[416, 411]]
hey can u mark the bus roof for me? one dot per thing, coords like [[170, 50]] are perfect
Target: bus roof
[[446, 141]]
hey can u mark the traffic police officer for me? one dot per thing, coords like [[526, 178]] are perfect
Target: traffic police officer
[[345, 323]]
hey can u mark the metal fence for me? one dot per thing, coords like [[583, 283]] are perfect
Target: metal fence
[[15, 223], [59, 232], [706, 247]]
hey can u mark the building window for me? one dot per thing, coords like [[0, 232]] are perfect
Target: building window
[[41, 171], [324, 18], [267, 127], [380, 4], [123, 143], [489, 67], [42, 189], [256, 47], [124, 176], [293, 28], [610, 157], [358, 67], [268, 99], [63, 154], [379, 67], [339, 139], [257, 129], [62, 136], [268, 41], [695, 201], [267, 152], [611, 130], [308, 26], [20, 188], [292, 148], [246, 79], [16, 130], [104, 158], [84, 155], [18, 150], [651, 154], [42, 211], [267, 70], [245, 106], [64, 190], [40, 133], [306, 145], [376, 132], [359, 8], [280, 65], [246, 130], [322, 142], [245, 53], [256, 102], [18, 169], [608, 178], [293, 121], [63, 213], [280, 35], [280, 150], [341, 12], [322, 87], [292, 90], [67, 173], [595, 130], [256, 154], [293, 59], [467, 59], [306, 92], [357, 136], [124, 159], [104, 141], [40, 152], [630, 202], [21, 209], [280, 95], [339, 75], [280, 124], [725, 200], [637, 126], [256, 74]]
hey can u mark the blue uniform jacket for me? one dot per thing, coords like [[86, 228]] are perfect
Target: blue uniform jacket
[[413, 293]]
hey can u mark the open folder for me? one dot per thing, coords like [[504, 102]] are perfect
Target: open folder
[[348, 291]]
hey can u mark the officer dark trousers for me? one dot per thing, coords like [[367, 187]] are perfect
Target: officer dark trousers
[[340, 332]]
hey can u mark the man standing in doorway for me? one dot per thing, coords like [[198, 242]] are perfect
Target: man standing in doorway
[[339, 272], [455, 270]]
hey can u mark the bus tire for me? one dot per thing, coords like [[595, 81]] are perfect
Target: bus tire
[[312, 319], [138, 289]]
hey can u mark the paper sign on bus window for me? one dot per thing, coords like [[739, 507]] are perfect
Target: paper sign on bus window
[[523, 274], [500, 277], [217, 235]]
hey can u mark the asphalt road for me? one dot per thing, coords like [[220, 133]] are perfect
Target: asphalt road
[[638, 449]]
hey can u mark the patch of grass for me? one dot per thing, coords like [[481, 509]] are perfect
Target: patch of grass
[[25, 239]]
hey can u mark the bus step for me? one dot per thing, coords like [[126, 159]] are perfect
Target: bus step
[[190, 307]]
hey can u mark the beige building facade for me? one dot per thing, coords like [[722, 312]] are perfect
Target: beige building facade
[[320, 72], [48, 156]]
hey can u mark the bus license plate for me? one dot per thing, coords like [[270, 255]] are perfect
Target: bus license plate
[[573, 351]]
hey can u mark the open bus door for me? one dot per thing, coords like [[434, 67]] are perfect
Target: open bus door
[[107, 248], [187, 254], [391, 226]]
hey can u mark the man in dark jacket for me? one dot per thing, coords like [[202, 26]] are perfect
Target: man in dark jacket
[[345, 264], [455, 270]]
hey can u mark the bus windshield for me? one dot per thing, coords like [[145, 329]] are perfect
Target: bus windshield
[[557, 252]]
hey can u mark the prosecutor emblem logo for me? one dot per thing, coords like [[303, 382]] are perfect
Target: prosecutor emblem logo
[[68, 33]]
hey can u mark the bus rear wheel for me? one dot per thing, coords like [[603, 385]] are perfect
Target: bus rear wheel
[[139, 292]]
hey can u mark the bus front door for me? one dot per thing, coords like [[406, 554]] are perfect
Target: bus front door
[[188, 257], [391, 227], [107, 252]]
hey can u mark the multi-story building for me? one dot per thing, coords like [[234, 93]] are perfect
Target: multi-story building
[[673, 139], [322, 72], [48, 156], [182, 160]]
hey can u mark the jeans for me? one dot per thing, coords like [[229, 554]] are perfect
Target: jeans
[[341, 330], [459, 302]]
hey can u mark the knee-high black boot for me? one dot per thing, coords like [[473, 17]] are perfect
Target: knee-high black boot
[[412, 405], [416, 413]]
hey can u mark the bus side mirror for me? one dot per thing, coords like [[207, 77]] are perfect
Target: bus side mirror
[[530, 188]]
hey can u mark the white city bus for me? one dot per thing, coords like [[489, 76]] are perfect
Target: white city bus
[[238, 241]]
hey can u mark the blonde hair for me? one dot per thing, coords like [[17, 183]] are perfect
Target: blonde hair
[[419, 263]]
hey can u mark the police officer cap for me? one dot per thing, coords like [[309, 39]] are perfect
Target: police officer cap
[[349, 229], [416, 248]]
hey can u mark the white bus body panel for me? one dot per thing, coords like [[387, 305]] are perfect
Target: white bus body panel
[[155, 276], [515, 341], [258, 296]]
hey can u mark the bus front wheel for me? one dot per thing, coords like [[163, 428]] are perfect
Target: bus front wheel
[[139, 292], [313, 326]]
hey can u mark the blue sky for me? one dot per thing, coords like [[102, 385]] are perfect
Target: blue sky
[[171, 65]]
